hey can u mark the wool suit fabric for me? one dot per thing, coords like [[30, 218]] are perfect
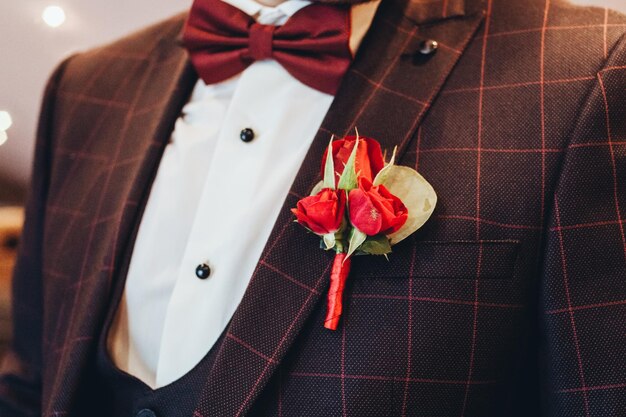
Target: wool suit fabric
[[510, 301]]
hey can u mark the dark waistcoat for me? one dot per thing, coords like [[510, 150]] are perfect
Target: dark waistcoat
[[123, 395]]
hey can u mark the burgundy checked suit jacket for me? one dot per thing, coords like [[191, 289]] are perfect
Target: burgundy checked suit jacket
[[511, 301]]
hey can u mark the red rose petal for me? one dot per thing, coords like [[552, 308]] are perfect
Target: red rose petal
[[321, 213], [369, 158], [363, 214], [374, 209]]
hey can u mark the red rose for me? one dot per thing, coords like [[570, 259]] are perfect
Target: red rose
[[374, 210], [369, 157], [323, 212]]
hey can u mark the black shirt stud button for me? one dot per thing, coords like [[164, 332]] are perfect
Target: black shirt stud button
[[146, 413], [428, 47], [202, 271], [246, 134]]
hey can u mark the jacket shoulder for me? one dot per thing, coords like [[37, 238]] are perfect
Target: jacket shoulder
[[575, 40], [117, 57], [591, 22], [143, 41], [574, 20]]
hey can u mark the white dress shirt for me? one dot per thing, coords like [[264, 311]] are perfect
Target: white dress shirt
[[215, 200]]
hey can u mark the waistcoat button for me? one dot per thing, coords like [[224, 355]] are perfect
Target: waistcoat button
[[146, 412]]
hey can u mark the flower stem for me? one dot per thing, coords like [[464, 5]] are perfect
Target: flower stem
[[338, 275]]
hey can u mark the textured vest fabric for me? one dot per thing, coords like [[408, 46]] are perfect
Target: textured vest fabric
[[120, 394], [125, 395]]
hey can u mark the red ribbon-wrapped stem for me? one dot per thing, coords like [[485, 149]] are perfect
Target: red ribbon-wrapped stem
[[338, 275]]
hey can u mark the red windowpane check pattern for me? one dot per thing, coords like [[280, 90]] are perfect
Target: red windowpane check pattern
[[510, 301]]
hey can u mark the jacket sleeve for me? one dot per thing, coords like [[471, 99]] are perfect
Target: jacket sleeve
[[583, 282], [20, 374]]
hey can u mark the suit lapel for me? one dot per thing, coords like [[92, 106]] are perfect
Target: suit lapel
[[385, 95], [163, 81], [169, 87]]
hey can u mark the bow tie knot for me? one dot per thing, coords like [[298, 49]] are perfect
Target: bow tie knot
[[260, 42], [312, 45]]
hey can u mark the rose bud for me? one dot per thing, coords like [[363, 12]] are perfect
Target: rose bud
[[369, 156], [374, 210], [322, 213]]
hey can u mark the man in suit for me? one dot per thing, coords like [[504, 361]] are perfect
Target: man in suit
[[161, 273]]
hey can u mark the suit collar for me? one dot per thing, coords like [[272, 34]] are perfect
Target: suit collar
[[253, 8], [427, 11]]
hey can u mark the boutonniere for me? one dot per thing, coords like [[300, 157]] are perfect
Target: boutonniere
[[363, 206]]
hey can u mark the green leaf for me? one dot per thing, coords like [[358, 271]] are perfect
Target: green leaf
[[393, 156], [318, 187], [329, 240], [348, 180], [416, 193], [329, 167], [339, 238], [376, 245], [356, 239], [385, 172]]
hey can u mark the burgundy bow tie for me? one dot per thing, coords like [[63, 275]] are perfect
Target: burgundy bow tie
[[313, 45]]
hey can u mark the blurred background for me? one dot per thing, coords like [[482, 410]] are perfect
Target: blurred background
[[34, 36]]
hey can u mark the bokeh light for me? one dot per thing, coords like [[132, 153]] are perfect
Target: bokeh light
[[54, 16], [5, 120]]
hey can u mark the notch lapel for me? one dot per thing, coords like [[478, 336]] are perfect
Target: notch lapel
[[169, 82], [163, 81], [385, 94]]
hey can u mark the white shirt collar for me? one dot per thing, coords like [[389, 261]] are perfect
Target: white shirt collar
[[253, 8], [361, 15]]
